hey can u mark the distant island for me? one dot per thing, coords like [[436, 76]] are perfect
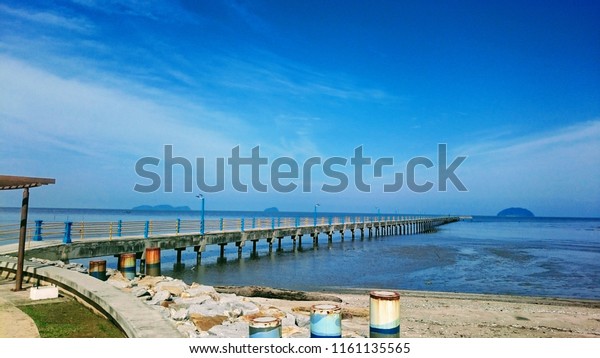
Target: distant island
[[516, 212], [271, 210], [161, 208]]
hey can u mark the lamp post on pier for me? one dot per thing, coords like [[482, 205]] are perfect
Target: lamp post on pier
[[201, 214], [315, 218]]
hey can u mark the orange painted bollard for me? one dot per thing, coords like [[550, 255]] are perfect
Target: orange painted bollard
[[97, 269], [127, 265], [153, 261]]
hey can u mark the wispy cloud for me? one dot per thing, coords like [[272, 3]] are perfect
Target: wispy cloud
[[99, 121], [162, 11], [552, 171], [46, 18]]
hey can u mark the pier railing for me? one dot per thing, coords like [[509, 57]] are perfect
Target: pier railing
[[40, 230]]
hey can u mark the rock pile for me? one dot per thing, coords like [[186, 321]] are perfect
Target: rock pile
[[58, 263], [200, 311]]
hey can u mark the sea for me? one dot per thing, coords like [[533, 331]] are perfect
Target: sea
[[540, 256]]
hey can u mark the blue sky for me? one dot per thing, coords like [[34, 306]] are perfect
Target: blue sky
[[90, 87]]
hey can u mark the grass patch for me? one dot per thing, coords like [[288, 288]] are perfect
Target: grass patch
[[70, 319]]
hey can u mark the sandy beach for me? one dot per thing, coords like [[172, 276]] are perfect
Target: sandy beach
[[437, 315]]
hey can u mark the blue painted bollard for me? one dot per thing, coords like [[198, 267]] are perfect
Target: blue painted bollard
[[265, 327], [97, 269], [127, 265], [38, 231], [384, 313], [325, 321]]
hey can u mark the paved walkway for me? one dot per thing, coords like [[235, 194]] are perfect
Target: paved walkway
[[13, 322]]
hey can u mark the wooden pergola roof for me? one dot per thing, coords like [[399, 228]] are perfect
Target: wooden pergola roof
[[9, 182]]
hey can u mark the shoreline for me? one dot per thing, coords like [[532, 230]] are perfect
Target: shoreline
[[427, 314], [497, 297], [205, 311]]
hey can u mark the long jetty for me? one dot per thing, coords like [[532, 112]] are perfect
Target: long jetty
[[77, 240]]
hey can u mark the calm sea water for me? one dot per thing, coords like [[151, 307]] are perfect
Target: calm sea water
[[558, 257]]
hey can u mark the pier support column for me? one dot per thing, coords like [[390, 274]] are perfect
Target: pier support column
[[370, 232], [362, 233], [270, 241], [178, 265], [342, 235], [254, 253], [353, 235], [279, 243], [299, 241], [198, 250], [222, 257], [239, 248], [315, 237], [330, 236], [179, 250]]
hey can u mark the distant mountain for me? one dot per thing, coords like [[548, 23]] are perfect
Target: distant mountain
[[516, 212], [161, 208], [271, 210]]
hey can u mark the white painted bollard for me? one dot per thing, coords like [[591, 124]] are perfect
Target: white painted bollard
[[384, 312]]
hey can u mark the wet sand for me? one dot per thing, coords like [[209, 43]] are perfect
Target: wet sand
[[437, 314]]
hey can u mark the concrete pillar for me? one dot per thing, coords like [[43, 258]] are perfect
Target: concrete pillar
[[239, 248], [342, 234], [254, 253], [330, 236], [179, 249], [279, 243], [198, 250], [270, 241], [353, 235], [222, 251]]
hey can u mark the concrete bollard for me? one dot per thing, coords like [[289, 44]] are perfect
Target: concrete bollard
[[384, 312], [153, 261], [127, 265], [265, 327], [325, 321], [97, 269]]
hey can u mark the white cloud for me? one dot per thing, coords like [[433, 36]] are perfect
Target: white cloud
[[98, 121], [556, 171], [49, 19]]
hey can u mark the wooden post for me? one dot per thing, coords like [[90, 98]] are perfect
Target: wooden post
[[22, 233]]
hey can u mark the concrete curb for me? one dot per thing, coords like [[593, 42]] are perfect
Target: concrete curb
[[134, 317]]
